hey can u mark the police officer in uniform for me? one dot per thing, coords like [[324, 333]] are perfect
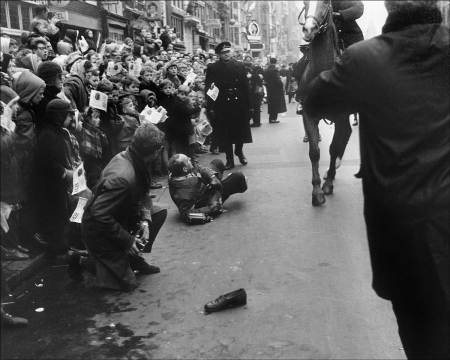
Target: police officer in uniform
[[230, 112]]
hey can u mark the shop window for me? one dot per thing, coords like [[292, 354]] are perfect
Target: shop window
[[26, 21], [14, 15], [177, 23], [3, 21]]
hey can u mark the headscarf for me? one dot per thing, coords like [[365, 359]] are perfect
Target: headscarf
[[27, 86], [78, 68]]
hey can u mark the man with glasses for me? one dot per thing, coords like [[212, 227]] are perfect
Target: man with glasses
[[230, 111], [39, 48]]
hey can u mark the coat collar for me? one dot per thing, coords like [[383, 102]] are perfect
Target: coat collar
[[418, 15]]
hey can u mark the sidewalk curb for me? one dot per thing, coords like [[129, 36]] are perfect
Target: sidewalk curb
[[16, 272]]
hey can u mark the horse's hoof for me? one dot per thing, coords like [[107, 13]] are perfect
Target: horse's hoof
[[318, 199], [327, 189]]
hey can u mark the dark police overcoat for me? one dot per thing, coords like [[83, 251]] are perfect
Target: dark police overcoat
[[231, 119]]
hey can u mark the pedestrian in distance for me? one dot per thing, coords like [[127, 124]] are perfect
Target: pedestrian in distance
[[276, 102]]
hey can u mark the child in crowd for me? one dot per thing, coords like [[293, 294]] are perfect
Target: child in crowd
[[94, 146], [179, 126], [131, 122]]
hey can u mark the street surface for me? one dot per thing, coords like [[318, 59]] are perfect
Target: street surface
[[306, 271]]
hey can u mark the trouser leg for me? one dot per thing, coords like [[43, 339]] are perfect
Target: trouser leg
[[424, 330], [234, 183], [342, 132], [158, 220], [238, 149]]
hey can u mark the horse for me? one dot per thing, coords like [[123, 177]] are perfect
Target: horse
[[319, 31]]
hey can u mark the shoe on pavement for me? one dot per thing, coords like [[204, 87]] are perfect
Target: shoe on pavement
[[274, 121], [242, 159], [12, 321], [305, 139], [230, 300], [139, 264]]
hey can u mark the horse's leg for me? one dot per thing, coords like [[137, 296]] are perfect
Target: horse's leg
[[312, 131], [342, 132]]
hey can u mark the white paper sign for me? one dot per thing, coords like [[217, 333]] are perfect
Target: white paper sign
[[135, 68], [113, 69], [79, 211], [79, 180], [155, 116], [190, 78], [98, 100], [213, 93]]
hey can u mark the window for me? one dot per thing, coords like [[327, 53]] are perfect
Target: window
[[177, 23], [116, 36], [26, 20], [3, 21], [178, 4], [14, 14]]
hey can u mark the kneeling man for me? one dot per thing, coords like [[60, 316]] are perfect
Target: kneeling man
[[199, 192], [120, 220]]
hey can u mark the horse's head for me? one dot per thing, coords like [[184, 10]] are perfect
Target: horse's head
[[314, 18]]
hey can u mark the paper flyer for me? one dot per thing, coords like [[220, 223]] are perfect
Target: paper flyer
[[79, 180], [213, 93], [79, 211], [98, 100]]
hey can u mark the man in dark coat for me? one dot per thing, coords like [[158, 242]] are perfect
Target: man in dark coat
[[276, 102], [120, 210], [399, 84], [230, 111]]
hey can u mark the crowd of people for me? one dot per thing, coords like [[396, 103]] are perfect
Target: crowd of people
[[118, 115]]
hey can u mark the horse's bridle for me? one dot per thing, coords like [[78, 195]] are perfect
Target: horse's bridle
[[324, 26]]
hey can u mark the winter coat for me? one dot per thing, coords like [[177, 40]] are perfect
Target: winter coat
[[10, 172], [405, 151], [230, 113], [179, 125], [76, 91], [347, 27], [275, 91], [119, 202]]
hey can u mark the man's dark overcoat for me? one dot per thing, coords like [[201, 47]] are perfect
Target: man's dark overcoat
[[231, 119], [275, 91], [119, 201], [398, 82]]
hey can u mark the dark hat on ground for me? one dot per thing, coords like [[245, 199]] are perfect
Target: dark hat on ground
[[49, 71], [221, 46]]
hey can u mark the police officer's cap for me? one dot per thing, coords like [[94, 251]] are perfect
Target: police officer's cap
[[221, 46]]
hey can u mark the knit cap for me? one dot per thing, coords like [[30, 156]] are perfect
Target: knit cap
[[49, 71]]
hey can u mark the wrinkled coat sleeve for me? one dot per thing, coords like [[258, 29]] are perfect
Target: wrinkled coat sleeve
[[334, 91], [354, 10], [107, 202]]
